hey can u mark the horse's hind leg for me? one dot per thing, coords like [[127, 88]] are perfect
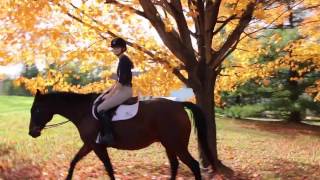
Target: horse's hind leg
[[186, 158], [174, 163], [102, 154], [84, 150]]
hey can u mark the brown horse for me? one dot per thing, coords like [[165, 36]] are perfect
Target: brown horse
[[158, 120]]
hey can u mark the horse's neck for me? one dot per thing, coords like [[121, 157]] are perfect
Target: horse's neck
[[72, 110]]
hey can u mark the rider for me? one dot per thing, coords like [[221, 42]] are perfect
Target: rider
[[118, 93]]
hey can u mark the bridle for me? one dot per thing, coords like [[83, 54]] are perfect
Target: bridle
[[55, 125]]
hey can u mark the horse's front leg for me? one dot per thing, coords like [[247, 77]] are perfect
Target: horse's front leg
[[102, 153], [84, 150]]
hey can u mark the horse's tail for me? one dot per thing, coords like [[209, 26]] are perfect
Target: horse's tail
[[201, 129]]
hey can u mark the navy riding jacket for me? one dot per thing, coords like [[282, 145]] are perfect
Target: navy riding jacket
[[124, 70]]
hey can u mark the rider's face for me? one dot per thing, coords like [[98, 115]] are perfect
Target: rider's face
[[117, 51]]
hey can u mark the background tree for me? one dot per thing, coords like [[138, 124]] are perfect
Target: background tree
[[9, 87], [197, 37], [284, 91]]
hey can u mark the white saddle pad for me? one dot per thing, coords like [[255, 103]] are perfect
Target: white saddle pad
[[125, 112]]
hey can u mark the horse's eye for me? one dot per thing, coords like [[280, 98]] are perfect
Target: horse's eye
[[37, 110]]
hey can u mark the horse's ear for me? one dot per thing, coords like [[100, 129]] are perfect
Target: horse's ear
[[38, 92]]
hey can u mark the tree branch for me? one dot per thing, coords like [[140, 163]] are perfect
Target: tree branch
[[224, 23], [211, 14], [176, 71], [196, 22], [210, 20], [268, 26], [140, 13], [170, 39], [199, 25], [234, 36], [307, 8], [142, 49], [175, 9], [134, 45], [231, 50]]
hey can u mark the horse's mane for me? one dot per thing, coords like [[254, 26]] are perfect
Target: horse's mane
[[70, 96]]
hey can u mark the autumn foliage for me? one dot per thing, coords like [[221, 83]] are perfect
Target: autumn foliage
[[60, 32]]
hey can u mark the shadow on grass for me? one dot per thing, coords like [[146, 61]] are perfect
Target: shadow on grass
[[288, 170], [144, 170], [13, 167], [278, 169], [280, 127]]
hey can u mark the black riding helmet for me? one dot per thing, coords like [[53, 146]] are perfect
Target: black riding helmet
[[118, 42]]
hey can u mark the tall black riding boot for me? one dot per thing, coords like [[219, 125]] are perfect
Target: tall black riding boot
[[107, 130]]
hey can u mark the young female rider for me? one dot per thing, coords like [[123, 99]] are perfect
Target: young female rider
[[118, 93]]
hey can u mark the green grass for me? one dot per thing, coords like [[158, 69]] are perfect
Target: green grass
[[14, 104], [254, 150]]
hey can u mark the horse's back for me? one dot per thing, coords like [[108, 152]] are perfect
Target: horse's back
[[160, 109]]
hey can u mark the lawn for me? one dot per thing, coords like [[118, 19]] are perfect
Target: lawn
[[254, 150]]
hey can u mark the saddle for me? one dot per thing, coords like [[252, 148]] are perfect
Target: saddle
[[131, 101], [124, 111]]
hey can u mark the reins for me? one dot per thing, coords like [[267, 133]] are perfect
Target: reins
[[55, 125]]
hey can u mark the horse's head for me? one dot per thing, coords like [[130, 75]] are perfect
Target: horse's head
[[41, 114]]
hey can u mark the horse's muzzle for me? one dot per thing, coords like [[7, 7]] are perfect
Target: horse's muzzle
[[35, 132]]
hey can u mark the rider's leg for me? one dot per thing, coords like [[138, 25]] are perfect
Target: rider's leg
[[107, 130], [109, 102]]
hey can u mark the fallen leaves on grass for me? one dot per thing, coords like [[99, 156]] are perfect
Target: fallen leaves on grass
[[253, 151]]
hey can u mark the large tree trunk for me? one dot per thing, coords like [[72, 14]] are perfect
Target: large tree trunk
[[205, 99], [295, 117], [206, 102], [202, 63]]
